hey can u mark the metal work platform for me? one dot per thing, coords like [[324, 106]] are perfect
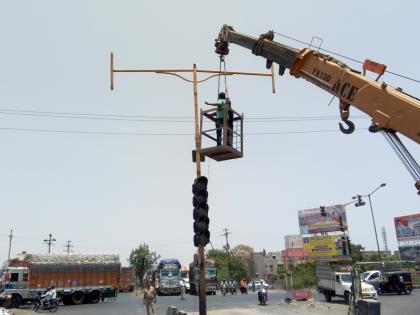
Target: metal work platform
[[231, 135]]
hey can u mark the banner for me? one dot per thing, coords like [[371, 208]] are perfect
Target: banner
[[408, 227], [294, 253], [293, 241], [311, 221], [410, 253], [326, 247]]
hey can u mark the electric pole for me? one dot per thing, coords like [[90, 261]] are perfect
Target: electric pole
[[10, 247], [50, 241], [68, 246], [227, 246]]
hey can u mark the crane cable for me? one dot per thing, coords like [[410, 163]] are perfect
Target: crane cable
[[222, 61]]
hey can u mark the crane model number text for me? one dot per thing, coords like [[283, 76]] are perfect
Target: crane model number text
[[343, 89]]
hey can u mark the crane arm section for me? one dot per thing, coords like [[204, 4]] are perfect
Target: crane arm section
[[390, 109]]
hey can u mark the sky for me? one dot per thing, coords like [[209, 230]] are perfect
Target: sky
[[118, 177]]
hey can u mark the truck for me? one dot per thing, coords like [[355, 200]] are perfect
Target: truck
[[392, 110], [126, 279], [185, 276], [211, 277], [77, 278], [333, 282], [168, 277]]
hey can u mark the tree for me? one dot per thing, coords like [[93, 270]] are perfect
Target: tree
[[142, 259], [356, 252], [228, 266], [246, 252]]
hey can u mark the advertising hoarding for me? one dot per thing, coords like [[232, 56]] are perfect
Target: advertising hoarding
[[311, 221], [410, 253], [408, 227], [294, 253], [293, 241], [325, 247]]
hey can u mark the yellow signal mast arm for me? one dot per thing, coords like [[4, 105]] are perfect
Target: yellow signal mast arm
[[391, 109]]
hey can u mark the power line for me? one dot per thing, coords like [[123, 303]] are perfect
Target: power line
[[145, 118], [158, 134], [348, 58]]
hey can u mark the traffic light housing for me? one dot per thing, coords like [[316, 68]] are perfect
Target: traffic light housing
[[200, 212], [359, 202], [323, 211]]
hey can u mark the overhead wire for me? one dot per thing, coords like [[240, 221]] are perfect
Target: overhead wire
[[146, 118]]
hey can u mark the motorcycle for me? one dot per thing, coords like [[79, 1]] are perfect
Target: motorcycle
[[51, 306], [243, 289], [262, 296], [223, 289], [232, 288]]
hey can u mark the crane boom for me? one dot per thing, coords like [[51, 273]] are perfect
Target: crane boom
[[390, 108]]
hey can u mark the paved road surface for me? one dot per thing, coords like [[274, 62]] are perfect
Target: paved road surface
[[129, 304]]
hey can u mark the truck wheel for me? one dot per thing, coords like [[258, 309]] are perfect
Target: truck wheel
[[77, 297], [94, 297], [347, 298], [328, 296], [16, 300]]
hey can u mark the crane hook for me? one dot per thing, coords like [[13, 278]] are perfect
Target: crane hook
[[350, 128]]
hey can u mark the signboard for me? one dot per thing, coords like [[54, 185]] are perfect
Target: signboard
[[311, 221], [408, 227], [410, 253], [325, 247], [293, 241], [294, 253]]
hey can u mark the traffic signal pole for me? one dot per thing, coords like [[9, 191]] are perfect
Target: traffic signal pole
[[202, 259], [197, 135]]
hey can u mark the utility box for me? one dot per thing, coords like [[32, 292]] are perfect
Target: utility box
[[368, 307]]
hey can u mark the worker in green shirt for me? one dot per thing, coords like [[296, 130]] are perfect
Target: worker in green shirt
[[220, 113]]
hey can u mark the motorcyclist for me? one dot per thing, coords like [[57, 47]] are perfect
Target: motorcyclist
[[242, 286], [46, 297], [232, 286], [223, 286], [262, 293]]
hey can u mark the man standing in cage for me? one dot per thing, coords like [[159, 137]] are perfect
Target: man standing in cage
[[220, 113]]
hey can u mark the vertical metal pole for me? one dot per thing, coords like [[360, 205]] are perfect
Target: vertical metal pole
[[202, 262], [374, 226], [10, 247], [111, 68]]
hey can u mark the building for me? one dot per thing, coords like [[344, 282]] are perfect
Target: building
[[267, 264]]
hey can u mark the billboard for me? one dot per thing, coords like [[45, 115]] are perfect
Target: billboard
[[410, 253], [408, 227], [325, 247], [294, 253], [311, 221], [293, 241]]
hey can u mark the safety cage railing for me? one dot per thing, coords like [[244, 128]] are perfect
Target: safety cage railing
[[231, 142]]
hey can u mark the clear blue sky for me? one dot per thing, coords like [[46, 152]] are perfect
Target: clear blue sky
[[109, 193]]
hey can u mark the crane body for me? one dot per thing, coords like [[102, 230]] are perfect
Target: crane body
[[391, 109]]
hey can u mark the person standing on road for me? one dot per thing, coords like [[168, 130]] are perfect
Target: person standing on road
[[182, 284], [149, 298]]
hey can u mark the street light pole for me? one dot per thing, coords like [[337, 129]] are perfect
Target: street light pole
[[361, 203]]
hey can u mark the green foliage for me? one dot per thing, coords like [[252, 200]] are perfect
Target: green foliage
[[228, 266], [304, 276], [142, 259], [356, 252]]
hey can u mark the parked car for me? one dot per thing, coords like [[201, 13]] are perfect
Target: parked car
[[258, 284]]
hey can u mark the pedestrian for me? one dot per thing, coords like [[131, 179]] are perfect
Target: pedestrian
[[181, 282], [253, 286], [149, 298], [220, 114]]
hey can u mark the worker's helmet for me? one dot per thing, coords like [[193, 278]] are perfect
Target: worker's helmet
[[222, 95]]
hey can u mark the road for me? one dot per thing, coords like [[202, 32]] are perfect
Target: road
[[129, 304]]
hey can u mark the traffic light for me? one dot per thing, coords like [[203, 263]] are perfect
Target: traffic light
[[200, 212], [323, 211], [359, 202]]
